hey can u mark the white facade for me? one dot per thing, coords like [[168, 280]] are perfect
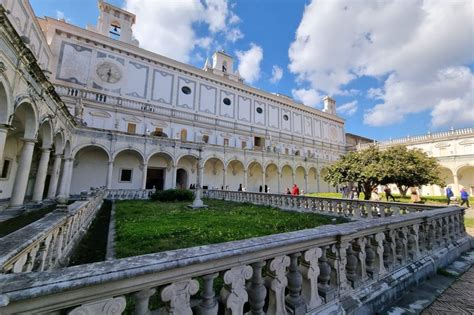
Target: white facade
[[129, 119]]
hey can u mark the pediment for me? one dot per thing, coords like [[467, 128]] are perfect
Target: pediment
[[100, 113]]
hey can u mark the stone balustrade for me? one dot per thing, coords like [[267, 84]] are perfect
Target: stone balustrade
[[356, 266], [349, 208], [128, 194], [48, 242]]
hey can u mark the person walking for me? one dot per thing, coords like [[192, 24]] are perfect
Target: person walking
[[295, 191], [449, 194], [388, 193], [288, 192], [374, 195], [464, 197], [240, 187], [415, 198]]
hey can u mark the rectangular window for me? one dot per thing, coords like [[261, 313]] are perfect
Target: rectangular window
[[131, 128], [125, 175], [244, 144], [6, 169], [259, 142], [226, 142], [205, 138]]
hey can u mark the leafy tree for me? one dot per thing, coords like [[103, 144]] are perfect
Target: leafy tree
[[366, 168], [410, 167]]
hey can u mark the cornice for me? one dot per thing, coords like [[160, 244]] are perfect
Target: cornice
[[156, 59]]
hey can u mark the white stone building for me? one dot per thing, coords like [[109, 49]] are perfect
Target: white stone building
[[134, 119], [453, 149]]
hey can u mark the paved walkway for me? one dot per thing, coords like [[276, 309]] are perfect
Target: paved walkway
[[457, 299]]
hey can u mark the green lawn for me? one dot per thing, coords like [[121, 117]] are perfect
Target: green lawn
[[469, 222], [149, 226]]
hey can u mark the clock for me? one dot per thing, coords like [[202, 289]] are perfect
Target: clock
[[109, 72]]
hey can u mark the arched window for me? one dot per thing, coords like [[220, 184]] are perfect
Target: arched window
[[114, 30], [184, 135]]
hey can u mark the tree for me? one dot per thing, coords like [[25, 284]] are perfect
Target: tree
[[410, 167], [365, 167]]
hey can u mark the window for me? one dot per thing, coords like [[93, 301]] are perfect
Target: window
[[186, 90], [244, 144], [6, 169], [285, 117], [184, 135], [226, 142], [259, 110], [287, 151], [159, 133], [259, 142], [205, 138], [297, 153], [114, 31], [125, 175], [131, 128], [226, 101]]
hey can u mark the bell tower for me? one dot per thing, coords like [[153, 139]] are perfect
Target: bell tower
[[223, 65], [115, 23]]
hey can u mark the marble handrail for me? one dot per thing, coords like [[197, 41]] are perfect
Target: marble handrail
[[47, 242], [308, 271], [351, 208], [128, 194]]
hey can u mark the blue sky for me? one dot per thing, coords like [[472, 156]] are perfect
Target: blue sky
[[395, 68]]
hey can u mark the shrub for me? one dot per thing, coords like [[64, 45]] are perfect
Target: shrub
[[173, 195]]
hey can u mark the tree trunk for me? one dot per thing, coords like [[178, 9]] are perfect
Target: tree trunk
[[403, 190], [367, 191]]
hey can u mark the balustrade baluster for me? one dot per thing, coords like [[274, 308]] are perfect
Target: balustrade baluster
[[233, 294], [257, 290], [339, 260], [277, 284], [379, 239], [30, 262], [326, 290], [413, 246], [112, 306], [310, 270], [351, 267], [44, 248], [392, 240], [445, 230], [178, 296], [142, 299], [295, 280], [208, 304], [361, 243], [371, 258]]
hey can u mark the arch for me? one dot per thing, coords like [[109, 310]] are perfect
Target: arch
[[465, 175], [181, 178], [169, 155], [25, 119], [271, 177], [255, 177], [5, 101], [214, 157], [90, 168], [138, 151], [325, 186], [159, 174], [300, 174], [128, 169], [213, 173], [45, 133], [98, 145], [286, 178], [189, 162], [312, 180], [235, 174], [195, 156], [253, 162]]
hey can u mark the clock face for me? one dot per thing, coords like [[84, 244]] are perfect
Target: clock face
[[109, 72]]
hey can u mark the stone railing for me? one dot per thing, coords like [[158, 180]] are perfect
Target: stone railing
[[352, 267], [48, 242], [350, 208], [128, 194]]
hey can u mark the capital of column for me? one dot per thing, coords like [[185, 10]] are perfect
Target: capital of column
[[4, 128], [69, 159], [44, 150], [57, 155], [28, 140], [111, 162]]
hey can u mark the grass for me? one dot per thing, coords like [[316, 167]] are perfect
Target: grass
[[469, 222], [149, 226]]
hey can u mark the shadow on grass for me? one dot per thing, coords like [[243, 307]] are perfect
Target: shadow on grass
[[13, 224]]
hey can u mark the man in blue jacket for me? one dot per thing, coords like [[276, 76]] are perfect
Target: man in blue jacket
[[449, 194], [464, 197]]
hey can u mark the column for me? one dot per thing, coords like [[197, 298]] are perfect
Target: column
[[145, 171], [41, 175], [305, 183], [317, 182], [173, 177], [279, 180], [456, 185], [22, 173], [110, 170], [3, 139], [263, 182], [197, 203], [245, 180], [65, 179], [224, 179], [53, 183], [293, 177]]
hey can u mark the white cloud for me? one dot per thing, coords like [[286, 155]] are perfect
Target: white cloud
[[249, 63], [410, 43], [167, 27], [277, 74], [348, 109], [309, 97], [234, 34]]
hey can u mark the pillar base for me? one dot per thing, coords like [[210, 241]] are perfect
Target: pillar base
[[14, 210], [62, 199], [197, 204]]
